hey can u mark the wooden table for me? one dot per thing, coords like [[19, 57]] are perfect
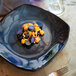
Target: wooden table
[[67, 57]]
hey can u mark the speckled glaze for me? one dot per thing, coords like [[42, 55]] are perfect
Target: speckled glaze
[[35, 56]]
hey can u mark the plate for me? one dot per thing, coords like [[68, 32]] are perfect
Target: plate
[[38, 55]]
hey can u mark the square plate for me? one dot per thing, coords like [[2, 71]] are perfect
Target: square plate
[[38, 55]]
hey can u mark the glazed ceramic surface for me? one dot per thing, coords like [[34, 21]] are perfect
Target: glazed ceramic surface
[[37, 55]]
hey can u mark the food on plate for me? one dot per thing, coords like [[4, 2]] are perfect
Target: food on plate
[[30, 33]]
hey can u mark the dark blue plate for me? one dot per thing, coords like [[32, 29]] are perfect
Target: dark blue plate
[[34, 56]]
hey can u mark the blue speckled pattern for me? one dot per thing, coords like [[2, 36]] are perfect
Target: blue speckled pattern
[[28, 64]]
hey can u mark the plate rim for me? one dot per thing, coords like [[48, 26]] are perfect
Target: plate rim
[[20, 63]]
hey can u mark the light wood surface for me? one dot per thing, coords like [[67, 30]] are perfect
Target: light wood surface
[[67, 57]]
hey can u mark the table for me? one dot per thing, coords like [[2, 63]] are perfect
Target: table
[[67, 57]]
